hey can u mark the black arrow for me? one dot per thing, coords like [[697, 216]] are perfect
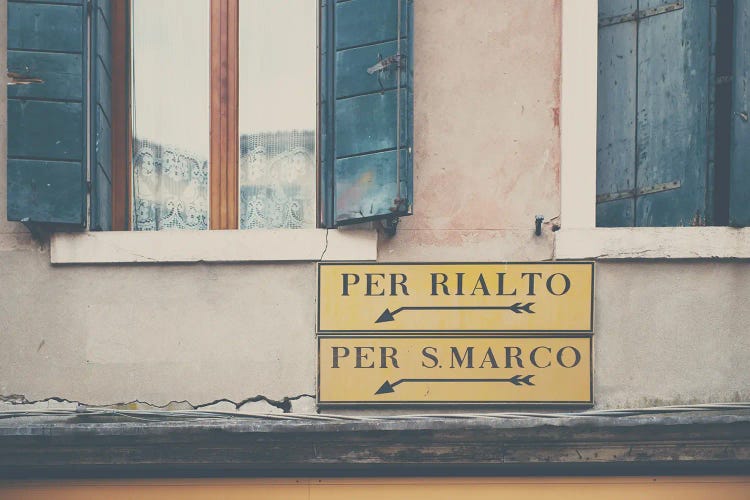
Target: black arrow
[[517, 308], [515, 380]]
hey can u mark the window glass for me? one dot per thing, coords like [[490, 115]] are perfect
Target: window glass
[[277, 113], [170, 113]]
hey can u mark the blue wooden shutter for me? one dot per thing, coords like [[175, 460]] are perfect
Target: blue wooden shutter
[[101, 117], [739, 186], [366, 125], [46, 117], [653, 147]]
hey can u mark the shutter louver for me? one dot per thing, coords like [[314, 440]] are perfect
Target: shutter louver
[[367, 111], [46, 112]]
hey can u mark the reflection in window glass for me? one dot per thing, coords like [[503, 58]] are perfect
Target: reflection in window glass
[[277, 113], [170, 113]]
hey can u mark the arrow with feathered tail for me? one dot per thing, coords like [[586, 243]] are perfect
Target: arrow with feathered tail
[[515, 380], [517, 308]]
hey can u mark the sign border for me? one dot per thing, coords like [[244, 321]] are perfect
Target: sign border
[[590, 329], [553, 404]]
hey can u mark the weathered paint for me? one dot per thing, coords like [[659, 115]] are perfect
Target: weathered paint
[[653, 103], [46, 148], [368, 110]]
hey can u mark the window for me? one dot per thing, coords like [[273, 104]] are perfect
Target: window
[[672, 133], [253, 128]]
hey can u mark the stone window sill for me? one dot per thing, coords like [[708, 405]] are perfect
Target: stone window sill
[[653, 243], [290, 245]]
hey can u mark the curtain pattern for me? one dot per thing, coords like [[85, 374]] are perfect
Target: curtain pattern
[[277, 180], [170, 188], [277, 184]]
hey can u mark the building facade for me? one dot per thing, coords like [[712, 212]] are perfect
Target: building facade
[[528, 126]]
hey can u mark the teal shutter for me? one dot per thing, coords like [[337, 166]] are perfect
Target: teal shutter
[[739, 186], [654, 98], [366, 111], [101, 113], [46, 112]]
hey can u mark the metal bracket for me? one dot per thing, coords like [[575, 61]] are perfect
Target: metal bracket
[[389, 225], [632, 193], [19, 79], [538, 225], [385, 64], [641, 14]]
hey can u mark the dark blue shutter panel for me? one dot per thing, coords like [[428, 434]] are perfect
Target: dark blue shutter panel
[[366, 148], [739, 186], [46, 112], [101, 118], [653, 147]]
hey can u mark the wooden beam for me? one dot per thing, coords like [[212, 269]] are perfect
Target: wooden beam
[[224, 162], [88, 443], [121, 123]]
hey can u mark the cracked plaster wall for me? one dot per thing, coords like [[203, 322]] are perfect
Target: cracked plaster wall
[[240, 337]]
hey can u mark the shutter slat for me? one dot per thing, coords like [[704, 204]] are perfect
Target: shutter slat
[[55, 28], [44, 191], [351, 70], [60, 75], [365, 123], [364, 22], [45, 130]]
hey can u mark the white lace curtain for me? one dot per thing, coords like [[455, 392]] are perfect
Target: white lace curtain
[[277, 184], [170, 187], [277, 180]]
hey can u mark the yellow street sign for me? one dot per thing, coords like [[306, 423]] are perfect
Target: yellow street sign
[[474, 297], [398, 369]]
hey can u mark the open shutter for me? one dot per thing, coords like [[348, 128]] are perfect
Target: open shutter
[[101, 117], [366, 110], [654, 90], [46, 112], [739, 186]]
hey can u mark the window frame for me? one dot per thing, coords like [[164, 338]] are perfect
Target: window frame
[[122, 245], [579, 237], [224, 101]]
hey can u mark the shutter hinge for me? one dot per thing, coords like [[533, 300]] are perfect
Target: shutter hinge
[[632, 193], [89, 8], [88, 187], [641, 14]]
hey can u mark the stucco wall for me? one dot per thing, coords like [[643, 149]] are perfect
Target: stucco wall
[[487, 161]]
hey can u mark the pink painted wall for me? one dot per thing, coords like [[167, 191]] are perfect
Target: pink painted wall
[[487, 142]]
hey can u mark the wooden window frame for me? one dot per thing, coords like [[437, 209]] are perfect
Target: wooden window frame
[[224, 116]]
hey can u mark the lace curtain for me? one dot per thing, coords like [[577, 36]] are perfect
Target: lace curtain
[[170, 188], [277, 180], [277, 184]]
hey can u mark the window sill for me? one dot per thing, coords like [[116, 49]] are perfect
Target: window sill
[[213, 246], [653, 243]]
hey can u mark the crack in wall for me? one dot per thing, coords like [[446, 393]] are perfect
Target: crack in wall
[[284, 404], [325, 249]]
